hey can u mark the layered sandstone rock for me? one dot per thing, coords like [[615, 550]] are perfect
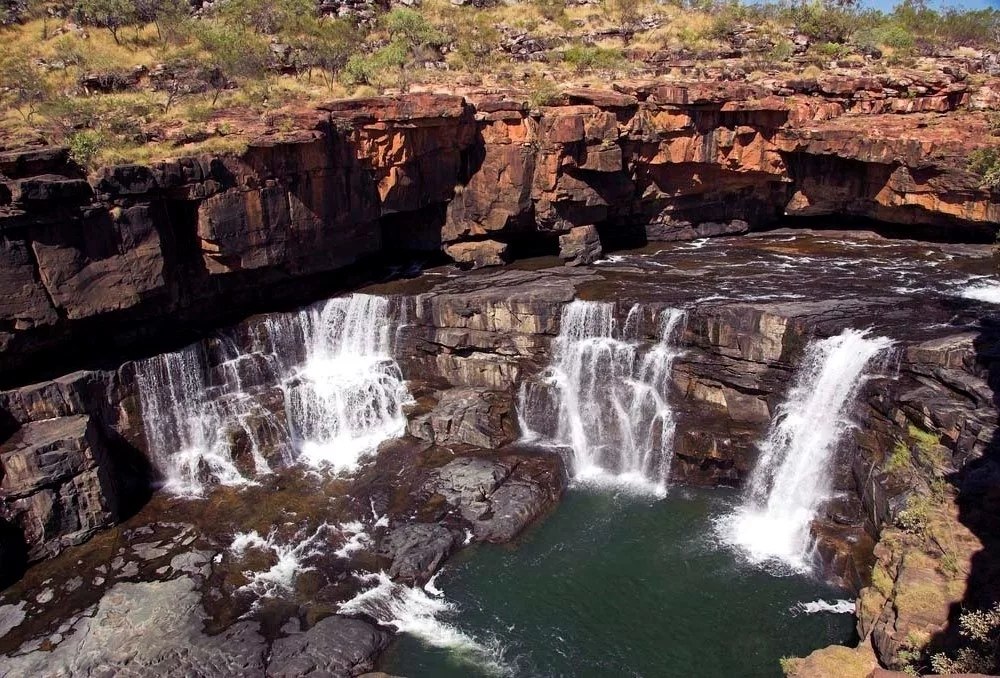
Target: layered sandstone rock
[[140, 249]]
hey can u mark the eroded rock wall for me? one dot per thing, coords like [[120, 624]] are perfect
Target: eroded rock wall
[[139, 252]]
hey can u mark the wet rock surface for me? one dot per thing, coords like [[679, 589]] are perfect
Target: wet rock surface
[[466, 343]]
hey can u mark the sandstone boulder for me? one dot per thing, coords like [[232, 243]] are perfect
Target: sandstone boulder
[[582, 245], [58, 483], [470, 415], [478, 253]]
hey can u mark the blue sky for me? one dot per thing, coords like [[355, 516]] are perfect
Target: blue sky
[[969, 4]]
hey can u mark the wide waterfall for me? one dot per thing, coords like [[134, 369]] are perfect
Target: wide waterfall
[[319, 386], [605, 397], [792, 476]]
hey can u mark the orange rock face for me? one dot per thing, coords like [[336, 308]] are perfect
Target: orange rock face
[[480, 178]]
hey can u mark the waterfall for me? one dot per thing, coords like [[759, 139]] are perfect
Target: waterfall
[[605, 398], [792, 476], [318, 386], [347, 396]]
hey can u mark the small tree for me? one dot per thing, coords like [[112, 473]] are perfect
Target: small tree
[[235, 52], [164, 14], [625, 13], [323, 43], [23, 86], [264, 16], [410, 35], [110, 14]]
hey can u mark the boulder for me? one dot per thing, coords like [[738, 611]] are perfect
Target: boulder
[[582, 245], [58, 483], [417, 550], [478, 253], [471, 415], [499, 497]]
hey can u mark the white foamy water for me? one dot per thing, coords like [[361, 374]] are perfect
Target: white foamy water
[[981, 290], [792, 475], [421, 612], [187, 433], [606, 397], [820, 606], [343, 395], [355, 539], [290, 559]]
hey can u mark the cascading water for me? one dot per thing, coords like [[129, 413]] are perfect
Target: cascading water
[[184, 430], [347, 397], [331, 363], [606, 398], [422, 613], [792, 477]]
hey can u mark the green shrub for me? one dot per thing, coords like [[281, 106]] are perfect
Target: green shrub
[[916, 516], [84, 147], [381, 69], [891, 35], [985, 163], [237, 52], [543, 93], [412, 28], [831, 50], [585, 57], [981, 628], [825, 22], [899, 459]]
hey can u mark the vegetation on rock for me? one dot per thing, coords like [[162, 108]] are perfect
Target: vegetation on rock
[[152, 78]]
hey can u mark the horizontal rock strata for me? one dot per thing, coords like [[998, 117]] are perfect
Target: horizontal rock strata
[[139, 250]]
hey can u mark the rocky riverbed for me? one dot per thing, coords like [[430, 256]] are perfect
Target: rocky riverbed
[[264, 559]]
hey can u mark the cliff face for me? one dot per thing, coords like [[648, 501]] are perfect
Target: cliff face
[[94, 266]]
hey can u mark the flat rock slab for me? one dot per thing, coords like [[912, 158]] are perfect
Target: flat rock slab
[[335, 646], [146, 629]]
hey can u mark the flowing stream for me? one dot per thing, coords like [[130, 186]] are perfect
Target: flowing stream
[[605, 397], [319, 386], [792, 476]]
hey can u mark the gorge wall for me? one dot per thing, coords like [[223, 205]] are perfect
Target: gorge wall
[[138, 259], [91, 267]]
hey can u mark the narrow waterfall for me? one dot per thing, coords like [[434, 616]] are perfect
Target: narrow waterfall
[[319, 386], [792, 476], [605, 397]]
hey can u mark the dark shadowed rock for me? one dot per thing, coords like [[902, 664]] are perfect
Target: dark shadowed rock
[[417, 550]]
